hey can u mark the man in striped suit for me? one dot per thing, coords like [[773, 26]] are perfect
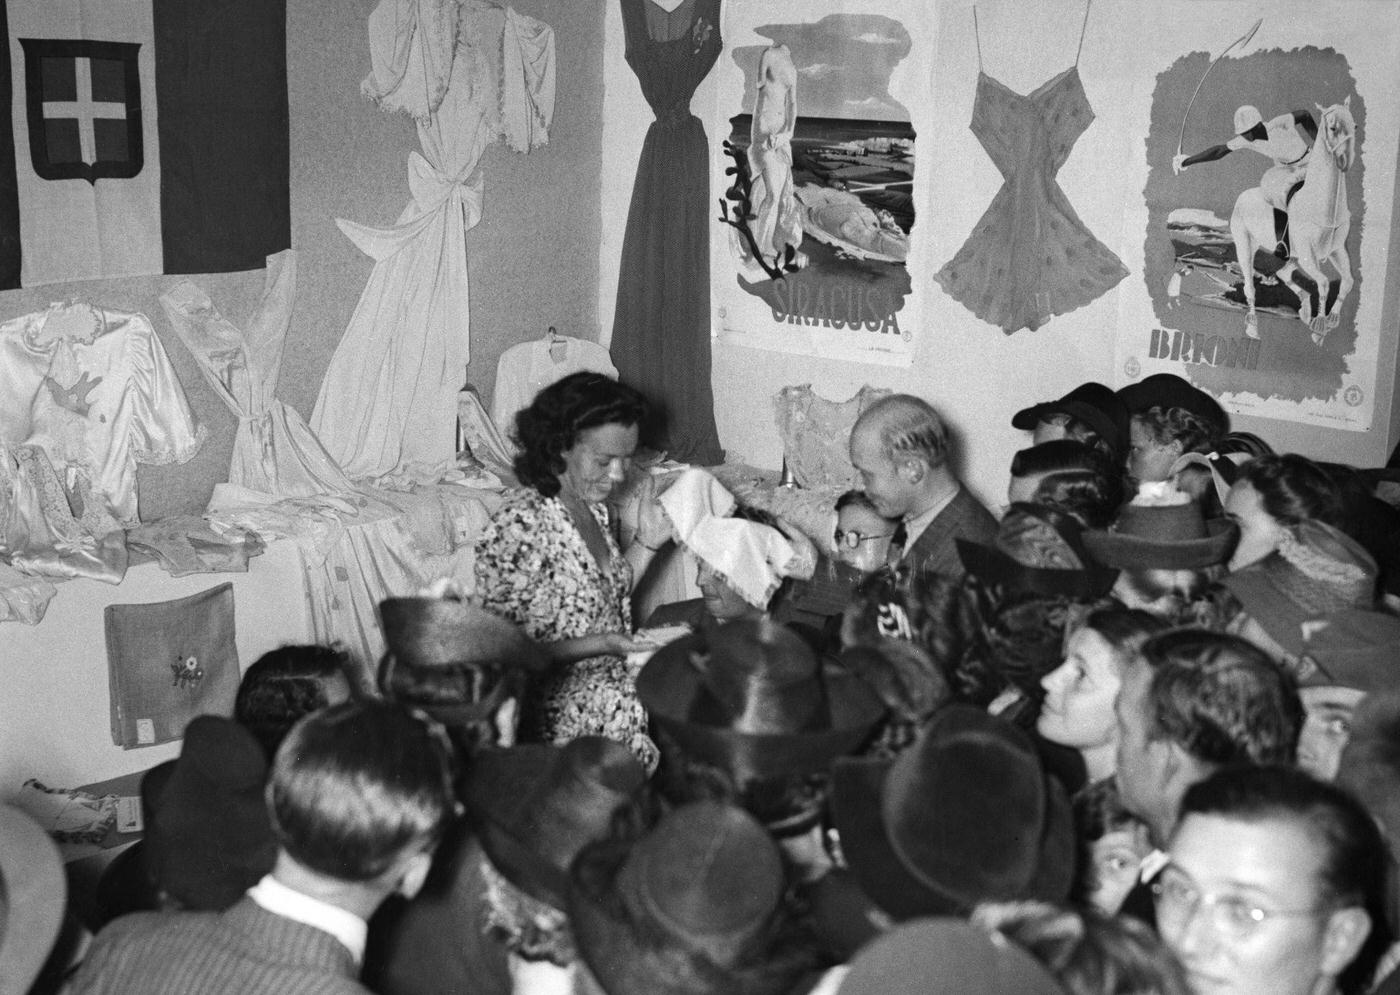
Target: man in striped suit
[[359, 795]]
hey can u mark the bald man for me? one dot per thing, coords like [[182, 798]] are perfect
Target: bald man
[[899, 446]]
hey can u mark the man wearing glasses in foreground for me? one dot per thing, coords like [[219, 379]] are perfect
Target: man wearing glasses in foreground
[[1270, 877]]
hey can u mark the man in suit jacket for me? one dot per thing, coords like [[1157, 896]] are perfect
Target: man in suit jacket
[[899, 446], [359, 796]]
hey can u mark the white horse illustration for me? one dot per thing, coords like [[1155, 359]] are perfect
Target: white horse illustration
[[1319, 220]]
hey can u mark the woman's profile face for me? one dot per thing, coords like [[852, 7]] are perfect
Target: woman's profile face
[[1149, 459], [598, 461], [1260, 532]]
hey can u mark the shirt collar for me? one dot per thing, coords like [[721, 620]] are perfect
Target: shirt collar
[[277, 898]]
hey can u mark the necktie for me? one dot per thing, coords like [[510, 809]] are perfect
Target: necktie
[[897, 541]]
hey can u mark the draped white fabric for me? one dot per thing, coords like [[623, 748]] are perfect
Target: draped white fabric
[[273, 451], [387, 404]]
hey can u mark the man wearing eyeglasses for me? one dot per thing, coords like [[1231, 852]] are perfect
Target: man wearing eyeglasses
[[1269, 878]]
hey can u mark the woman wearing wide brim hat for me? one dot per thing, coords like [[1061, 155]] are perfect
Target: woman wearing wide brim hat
[[694, 906], [33, 895], [967, 815], [1038, 550], [752, 698]]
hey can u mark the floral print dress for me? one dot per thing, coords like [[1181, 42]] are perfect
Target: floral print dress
[[534, 568]]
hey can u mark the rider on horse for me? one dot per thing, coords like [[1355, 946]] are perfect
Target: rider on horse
[[1286, 140]]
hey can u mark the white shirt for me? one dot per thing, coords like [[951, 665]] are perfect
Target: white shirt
[[277, 898]]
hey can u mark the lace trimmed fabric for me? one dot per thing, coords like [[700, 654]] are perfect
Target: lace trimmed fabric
[[1029, 257], [527, 927], [816, 433]]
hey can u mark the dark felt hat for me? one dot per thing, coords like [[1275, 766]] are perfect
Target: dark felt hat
[[750, 696], [211, 839], [1316, 570], [1038, 550], [1163, 537], [536, 806], [945, 956], [1352, 648], [964, 816], [426, 633], [1095, 405], [703, 888], [33, 897], [1167, 390]]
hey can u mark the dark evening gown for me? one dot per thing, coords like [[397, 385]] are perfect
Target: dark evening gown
[[661, 327], [1030, 258]]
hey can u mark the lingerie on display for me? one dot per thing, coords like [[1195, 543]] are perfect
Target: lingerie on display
[[1030, 257], [93, 388]]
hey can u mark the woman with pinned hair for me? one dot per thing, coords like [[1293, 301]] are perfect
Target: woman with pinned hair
[[550, 560], [1274, 493]]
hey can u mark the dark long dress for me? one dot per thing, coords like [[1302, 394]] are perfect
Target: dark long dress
[[661, 328]]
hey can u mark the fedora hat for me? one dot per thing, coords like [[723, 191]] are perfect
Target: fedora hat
[[210, 838], [945, 956], [1095, 405], [426, 633], [750, 696], [1038, 550], [693, 906], [33, 896], [1316, 570], [1162, 529], [1352, 648], [966, 815], [536, 806]]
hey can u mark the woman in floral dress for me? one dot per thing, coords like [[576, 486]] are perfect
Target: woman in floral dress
[[550, 561]]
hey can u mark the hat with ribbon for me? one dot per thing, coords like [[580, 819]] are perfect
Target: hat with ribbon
[[964, 816], [1162, 529], [1351, 648], [945, 956], [426, 633], [1038, 550], [33, 897], [751, 697], [210, 838], [1166, 391], [536, 806], [1316, 570], [1095, 405], [750, 557], [690, 907]]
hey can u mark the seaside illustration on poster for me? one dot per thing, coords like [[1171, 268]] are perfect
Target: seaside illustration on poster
[[813, 174], [1271, 143]]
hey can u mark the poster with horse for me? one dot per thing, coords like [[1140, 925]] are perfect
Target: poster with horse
[[813, 167], [1270, 170]]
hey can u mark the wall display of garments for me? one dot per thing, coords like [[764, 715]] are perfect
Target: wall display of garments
[[1266, 204], [814, 163]]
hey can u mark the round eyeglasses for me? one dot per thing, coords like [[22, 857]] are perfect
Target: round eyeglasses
[[1178, 900], [853, 539]]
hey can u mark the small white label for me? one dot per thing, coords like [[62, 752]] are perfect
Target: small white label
[[145, 731], [129, 814]]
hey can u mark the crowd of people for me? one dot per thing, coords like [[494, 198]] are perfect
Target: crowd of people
[[1138, 733]]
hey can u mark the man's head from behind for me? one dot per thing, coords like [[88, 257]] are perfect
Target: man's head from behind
[[899, 445], [1193, 701], [361, 792], [1270, 878]]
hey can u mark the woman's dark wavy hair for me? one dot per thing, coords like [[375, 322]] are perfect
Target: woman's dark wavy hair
[[550, 426], [284, 684], [1292, 488]]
